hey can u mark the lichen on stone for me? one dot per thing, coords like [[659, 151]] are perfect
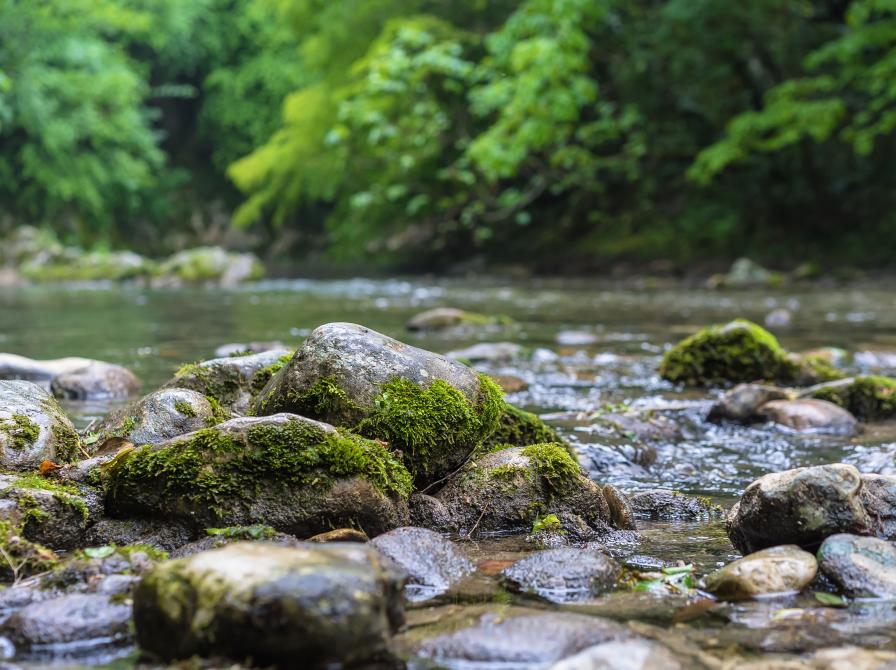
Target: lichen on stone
[[185, 408], [22, 431], [869, 398]]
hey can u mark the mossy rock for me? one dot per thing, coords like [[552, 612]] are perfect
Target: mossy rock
[[435, 411], [869, 398], [208, 265], [33, 428], [160, 416], [296, 475], [28, 558], [451, 318], [738, 352], [77, 265], [507, 491], [232, 381], [518, 428]]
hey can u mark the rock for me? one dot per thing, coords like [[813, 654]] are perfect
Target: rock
[[488, 352], [869, 398], [75, 264], [77, 617], [221, 537], [232, 381], [801, 506], [810, 416], [161, 416], [508, 490], [519, 428], [781, 569], [243, 348], [511, 383], [875, 360], [429, 512], [745, 273], [26, 242], [25, 558], [779, 318], [635, 654], [327, 604], [641, 425], [433, 410], [33, 428], [9, 277], [29, 369], [97, 381], [862, 567], [340, 535], [564, 575], [742, 403], [449, 318], [432, 563], [575, 338], [521, 641], [164, 535], [299, 476], [668, 505], [737, 352], [208, 265], [49, 513], [622, 514], [878, 495]]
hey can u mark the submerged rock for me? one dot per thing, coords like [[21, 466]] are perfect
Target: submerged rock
[[564, 575], [742, 403], [633, 654], [432, 563], [870, 398], [641, 426], [521, 641], [97, 381], [327, 604], [232, 381], [78, 617], [810, 416], [13, 366], [448, 318], [781, 569], [33, 428], [434, 410], [161, 416], [508, 490], [668, 505], [863, 567], [297, 475], [802, 506], [737, 352]]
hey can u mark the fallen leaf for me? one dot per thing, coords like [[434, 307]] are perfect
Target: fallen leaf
[[99, 552], [830, 599], [112, 445], [48, 467]]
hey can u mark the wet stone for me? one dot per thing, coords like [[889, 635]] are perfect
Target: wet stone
[[809, 415], [775, 570], [632, 654], [96, 381], [433, 564], [742, 403], [667, 505], [33, 428], [563, 575], [863, 567]]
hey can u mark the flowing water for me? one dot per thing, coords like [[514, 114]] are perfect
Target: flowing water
[[588, 346]]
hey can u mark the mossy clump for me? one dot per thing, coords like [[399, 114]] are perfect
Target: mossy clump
[[739, 351], [218, 415], [518, 428], [185, 408], [67, 441], [215, 469], [20, 557], [869, 398], [553, 465], [263, 376], [221, 382], [816, 369], [435, 427], [254, 532], [22, 431], [548, 523], [66, 495]]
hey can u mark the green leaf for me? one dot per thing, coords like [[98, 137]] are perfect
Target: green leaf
[[831, 599], [99, 552]]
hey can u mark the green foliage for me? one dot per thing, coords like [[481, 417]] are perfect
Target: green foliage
[[549, 523], [553, 463], [21, 430], [518, 428]]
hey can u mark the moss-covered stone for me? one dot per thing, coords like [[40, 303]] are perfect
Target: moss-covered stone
[[19, 557], [869, 398], [518, 428], [51, 513], [185, 408], [286, 471], [737, 352], [33, 427], [22, 431], [553, 464]]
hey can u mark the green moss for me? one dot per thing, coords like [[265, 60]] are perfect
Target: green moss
[[423, 421], [870, 398], [323, 400], [218, 415], [22, 431], [518, 428], [549, 523], [216, 469], [739, 351], [185, 408], [69, 496], [20, 557], [154, 553], [36, 481], [31, 511], [816, 369], [222, 382], [68, 444], [253, 532], [124, 428], [553, 465], [263, 376]]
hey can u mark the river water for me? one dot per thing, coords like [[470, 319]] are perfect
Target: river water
[[619, 331]]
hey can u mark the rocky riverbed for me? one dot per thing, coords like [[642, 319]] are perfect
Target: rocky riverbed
[[589, 479]]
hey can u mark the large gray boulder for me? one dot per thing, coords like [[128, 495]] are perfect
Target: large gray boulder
[[161, 416], [326, 604], [801, 506], [297, 475], [508, 490], [33, 428], [434, 410], [232, 380]]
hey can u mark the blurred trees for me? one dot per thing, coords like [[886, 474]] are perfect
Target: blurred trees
[[422, 131]]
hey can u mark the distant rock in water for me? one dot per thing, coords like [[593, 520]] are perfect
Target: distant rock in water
[[243, 348], [491, 352], [97, 381], [450, 318], [742, 403], [779, 318], [668, 505], [745, 274], [809, 415], [870, 398], [208, 265], [13, 366]]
